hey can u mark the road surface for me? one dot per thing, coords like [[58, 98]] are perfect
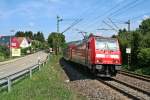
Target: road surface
[[21, 63]]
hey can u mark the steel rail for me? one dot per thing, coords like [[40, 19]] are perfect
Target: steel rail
[[131, 86], [119, 90], [141, 77]]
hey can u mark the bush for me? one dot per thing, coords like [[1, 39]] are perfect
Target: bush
[[144, 57], [2, 56], [24, 51], [4, 53]]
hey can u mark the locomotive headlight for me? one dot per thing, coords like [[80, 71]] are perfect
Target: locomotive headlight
[[99, 61], [114, 56]]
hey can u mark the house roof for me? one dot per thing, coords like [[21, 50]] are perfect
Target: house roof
[[20, 39], [5, 40], [29, 39]]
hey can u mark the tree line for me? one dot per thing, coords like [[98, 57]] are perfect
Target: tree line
[[55, 40], [38, 40], [139, 42], [34, 36]]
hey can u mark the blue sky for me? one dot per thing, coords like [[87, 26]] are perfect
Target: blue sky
[[40, 15]]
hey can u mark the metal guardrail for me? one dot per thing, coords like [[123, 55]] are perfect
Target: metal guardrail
[[7, 80]]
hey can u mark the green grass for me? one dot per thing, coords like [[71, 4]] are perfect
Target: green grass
[[141, 71], [46, 84]]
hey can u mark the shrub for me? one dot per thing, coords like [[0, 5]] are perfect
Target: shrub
[[144, 57], [4, 52], [24, 51]]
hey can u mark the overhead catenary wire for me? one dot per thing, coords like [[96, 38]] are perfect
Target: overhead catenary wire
[[113, 23], [127, 6], [83, 13], [72, 25], [110, 26], [118, 21], [105, 13], [139, 16], [113, 8], [124, 7]]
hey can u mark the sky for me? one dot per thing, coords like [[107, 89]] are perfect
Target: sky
[[40, 15]]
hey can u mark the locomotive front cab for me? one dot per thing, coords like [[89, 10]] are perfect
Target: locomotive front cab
[[107, 56]]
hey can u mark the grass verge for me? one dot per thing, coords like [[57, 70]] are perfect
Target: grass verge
[[141, 71], [46, 84]]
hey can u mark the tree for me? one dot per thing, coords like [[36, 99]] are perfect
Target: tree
[[56, 41], [124, 43], [135, 46], [145, 26], [24, 34], [29, 34], [145, 43], [144, 57], [20, 34], [39, 36]]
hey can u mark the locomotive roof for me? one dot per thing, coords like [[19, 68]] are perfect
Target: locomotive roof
[[97, 37], [74, 42], [101, 37]]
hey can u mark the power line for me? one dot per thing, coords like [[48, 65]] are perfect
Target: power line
[[113, 23], [136, 17], [72, 25], [105, 29], [128, 7], [131, 18], [96, 19], [110, 26], [83, 13]]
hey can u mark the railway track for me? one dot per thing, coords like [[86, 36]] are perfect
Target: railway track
[[116, 87], [130, 74], [126, 89]]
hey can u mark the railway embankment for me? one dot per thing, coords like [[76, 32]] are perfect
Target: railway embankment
[[46, 84]]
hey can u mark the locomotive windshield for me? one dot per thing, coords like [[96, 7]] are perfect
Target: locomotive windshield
[[106, 44]]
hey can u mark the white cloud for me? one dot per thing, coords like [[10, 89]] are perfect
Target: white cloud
[[146, 17]]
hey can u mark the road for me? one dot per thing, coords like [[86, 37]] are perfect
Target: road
[[21, 63]]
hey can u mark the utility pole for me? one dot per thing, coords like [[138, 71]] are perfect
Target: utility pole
[[128, 50], [57, 48], [10, 44], [128, 22], [58, 20]]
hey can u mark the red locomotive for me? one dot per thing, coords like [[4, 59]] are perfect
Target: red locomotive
[[101, 55]]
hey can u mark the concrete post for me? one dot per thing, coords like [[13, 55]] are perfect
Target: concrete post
[[9, 84]]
